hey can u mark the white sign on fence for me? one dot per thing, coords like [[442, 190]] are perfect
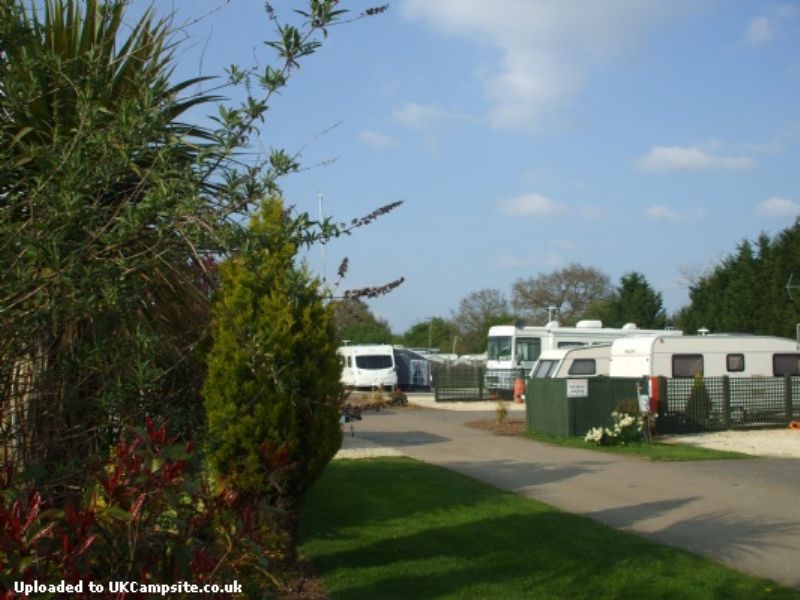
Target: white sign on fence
[[577, 388]]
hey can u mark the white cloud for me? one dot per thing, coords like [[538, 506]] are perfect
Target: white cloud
[[550, 260], [661, 213], [547, 48], [676, 158], [791, 131], [778, 207], [664, 213], [422, 116], [566, 245], [762, 30], [532, 205], [593, 213], [375, 139], [759, 31]]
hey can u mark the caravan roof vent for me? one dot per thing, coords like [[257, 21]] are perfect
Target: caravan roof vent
[[588, 323], [629, 327], [553, 324]]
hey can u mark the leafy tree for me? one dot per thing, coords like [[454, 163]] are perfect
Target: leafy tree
[[477, 312], [435, 332], [272, 390], [571, 290], [633, 301], [356, 323]]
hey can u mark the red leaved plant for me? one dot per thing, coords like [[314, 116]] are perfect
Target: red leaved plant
[[151, 517]]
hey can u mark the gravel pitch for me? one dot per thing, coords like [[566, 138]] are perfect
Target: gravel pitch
[[782, 443]]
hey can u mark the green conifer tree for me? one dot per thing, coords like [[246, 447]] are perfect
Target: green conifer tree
[[272, 388]]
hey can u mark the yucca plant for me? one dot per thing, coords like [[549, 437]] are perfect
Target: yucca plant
[[107, 228]]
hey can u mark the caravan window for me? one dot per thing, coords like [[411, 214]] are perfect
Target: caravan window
[[374, 361], [735, 363], [544, 369], [785, 364], [687, 365], [499, 348], [528, 349], [583, 366]]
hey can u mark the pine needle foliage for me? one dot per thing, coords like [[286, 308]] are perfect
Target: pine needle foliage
[[272, 390]]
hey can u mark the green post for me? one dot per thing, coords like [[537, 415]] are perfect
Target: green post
[[480, 383], [436, 385], [787, 397], [726, 401]]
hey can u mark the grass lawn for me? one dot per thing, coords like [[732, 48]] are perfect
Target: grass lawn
[[397, 528], [652, 450]]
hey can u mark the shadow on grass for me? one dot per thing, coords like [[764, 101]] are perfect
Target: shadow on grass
[[400, 529]]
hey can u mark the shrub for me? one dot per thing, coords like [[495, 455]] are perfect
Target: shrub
[[398, 398], [501, 412], [698, 407], [149, 518], [272, 387]]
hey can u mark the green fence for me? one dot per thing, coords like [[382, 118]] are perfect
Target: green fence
[[728, 403], [571, 407], [565, 407], [469, 383], [458, 383]]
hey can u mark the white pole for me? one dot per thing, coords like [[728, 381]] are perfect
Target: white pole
[[322, 243]]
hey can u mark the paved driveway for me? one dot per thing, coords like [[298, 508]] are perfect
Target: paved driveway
[[743, 513]]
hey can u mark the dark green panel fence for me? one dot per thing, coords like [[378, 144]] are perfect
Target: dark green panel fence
[[605, 396], [549, 409], [546, 406], [685, 405]]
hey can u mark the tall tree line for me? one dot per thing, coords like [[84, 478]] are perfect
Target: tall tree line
[[751, 290]]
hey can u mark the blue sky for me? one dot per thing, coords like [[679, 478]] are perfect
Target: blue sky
[[524, 135]]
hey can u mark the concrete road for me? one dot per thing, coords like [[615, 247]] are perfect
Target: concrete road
[[742, 513]]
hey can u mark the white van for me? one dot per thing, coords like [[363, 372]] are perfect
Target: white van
[[708, 355], [587, 361], [368, 366]]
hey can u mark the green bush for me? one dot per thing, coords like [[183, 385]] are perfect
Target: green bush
[[148, 516], [698, 407], [272, 391]]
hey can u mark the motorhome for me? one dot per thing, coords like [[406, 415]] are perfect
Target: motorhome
[[709, 355], [513, 348], [368, 366], [587, 361]]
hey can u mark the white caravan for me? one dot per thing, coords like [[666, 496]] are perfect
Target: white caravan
[[709, 355], [513, 347], [369, 366], [586, 361]]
